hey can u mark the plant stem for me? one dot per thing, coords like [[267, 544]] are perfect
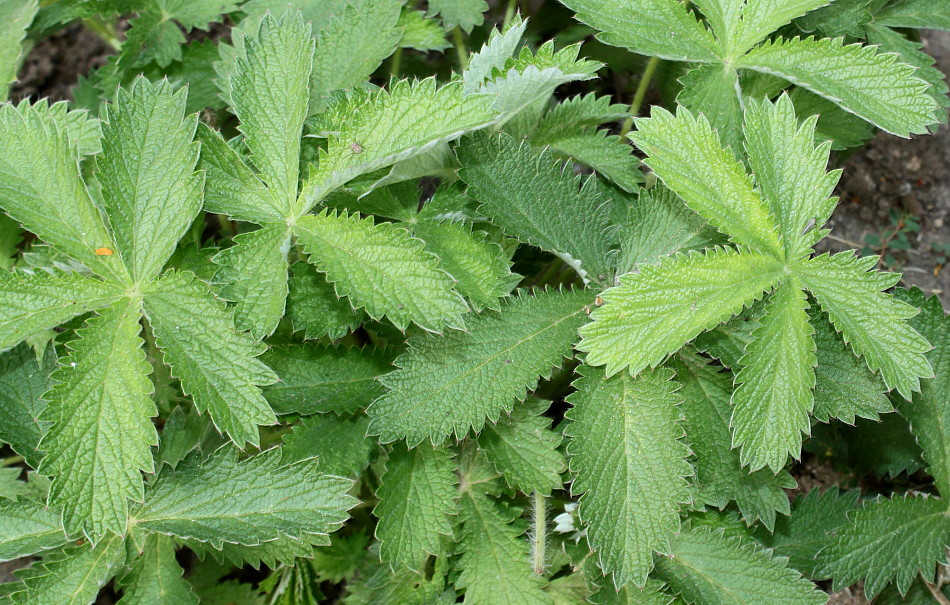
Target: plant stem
[[11, 461], [104, 31], [639, 95], [460, 49], [540, 533], [394, 63], [509, 13]]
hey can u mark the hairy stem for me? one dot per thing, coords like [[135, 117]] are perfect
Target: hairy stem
[[460, 49], [639, 95], [539, 534]]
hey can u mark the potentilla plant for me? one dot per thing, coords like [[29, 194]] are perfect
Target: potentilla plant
[[427, 318]]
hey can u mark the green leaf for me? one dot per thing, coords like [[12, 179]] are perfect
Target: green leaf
[[24, 378], [629, 463], [449, 384], [155, 576], [773, 398], [842, 129], [762, 17], [524, 449], [420, 33], [539, 201], [494, 564], [710, 567], [494, 54], [192, 14], [101, 433], [41, 188], [314, 307], [720, 478], [603, 152], [790, 171], [464, 14], [383, 269], [662, 28], [874, 324], [27, 527], [845, 388], [656, 311], [231, 187], [928, 412], [658, 224], [808, 528], [889, 540], [351, 46], [685, 153], [371, 130], [269, 93], [253, 274], [217, 365], [315, 378], [480, 268], [15, 17], [33, 302], [72, 577], [340, 445], [874, 86], [923, 14], [713, 90], [417, 494], [150, 190], [83, 130], [247, 502]]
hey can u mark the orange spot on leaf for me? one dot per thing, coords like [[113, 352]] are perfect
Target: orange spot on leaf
[[104, 251]]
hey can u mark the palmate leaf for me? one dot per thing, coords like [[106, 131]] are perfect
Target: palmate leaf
[[41, 188], [524, 449], [371, 130], [876, 87], [455, 382], [762, 17], [149, 209], [629, 463], [382, 268], [72, 577], [417, 496], [156, 577], [464, 14], [664, 28], [33, 302], [494, 54], [101, 410], [713, 90], [539, 201], [607, 154], [889, 540], [247, 502], [706, 392], [28, 527], [655, 312], [711, 567], [773, 397], [684, 151], [874, 324], [217, 365], [928, 412], [23, 381], [494, 561], [269, 93]]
